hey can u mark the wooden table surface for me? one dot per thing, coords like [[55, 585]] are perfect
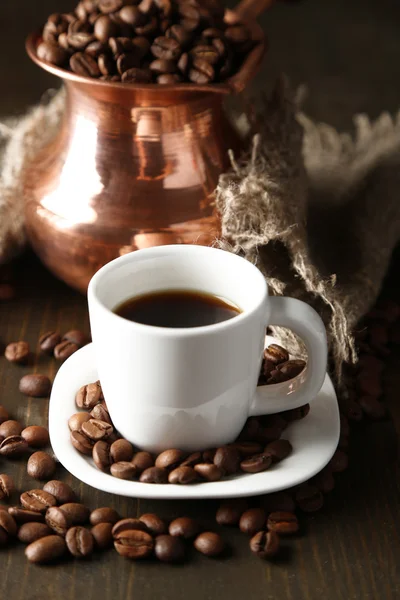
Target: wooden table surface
[[351, 549]]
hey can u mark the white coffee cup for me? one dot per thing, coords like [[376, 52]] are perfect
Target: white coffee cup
[[194, 388]]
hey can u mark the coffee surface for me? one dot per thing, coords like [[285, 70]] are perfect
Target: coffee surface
[[177, 308]]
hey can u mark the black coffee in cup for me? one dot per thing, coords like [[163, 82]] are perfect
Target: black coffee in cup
[[177, 309]]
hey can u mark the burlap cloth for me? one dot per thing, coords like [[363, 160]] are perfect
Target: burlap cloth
[[316, 210]]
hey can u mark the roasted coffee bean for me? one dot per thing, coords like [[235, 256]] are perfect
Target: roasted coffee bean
[[127, 525], [52, 53], [201, 72], [132, 15], [209, 543], [207, 53], [97, 430], [141, 45], [183, 64], [6, 486], [61, 491], [252, 520], [80, 442], [57, 23], [8, 524], [35, 385], [276, 354], [372, 407], [77, 512], [136, 76], [283, 523], [309, 498], [134, 544], [30, 532], [48, 341], [162, 66], [22, 515], [142, 461], [169, 459], [256, 463], [100, 412], [230, 511], [286, 371], [89, 395], [10, 427], [248, 448], [184, 527], [324, 481], [148, 29], [169, 79], [13, 446], [155, 525], [182, 475], [41, 465], [104, 28], [120, 45], [45, 549], [96, 49], [339, 462], [36, 436], [106, 64], [278, 502], [78, 41], [101, 455], [78, 26], [154, 475], [4, 416], [37, 500], [278, 450], [227, 458], [58, 520], [79, 542], [109, 6], [102, 535], [166, 48], [180, 34], [104, 515], [123, 470], [125, 62], [265, 544], [193, 459], [17, 352], [64, 350], [208, 455], [208, 471], [169, 549], [121, 450], [76, 421], [295, 414]]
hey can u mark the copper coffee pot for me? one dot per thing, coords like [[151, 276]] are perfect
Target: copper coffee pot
[[132, 165]]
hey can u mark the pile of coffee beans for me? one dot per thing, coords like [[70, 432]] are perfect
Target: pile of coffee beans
[[146, 41]]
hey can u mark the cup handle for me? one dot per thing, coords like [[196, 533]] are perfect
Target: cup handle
[[307, 324]]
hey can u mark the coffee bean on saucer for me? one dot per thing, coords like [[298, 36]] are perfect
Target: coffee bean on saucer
[[283, 523], [208, 471], [89, 395], [80, 442], [154, 475], [208, 455], [121, 450], [193, 459], [46, 549], [248, 448], [209, 543], [13, 446], [133, 544], [227, 458], [101, 455], [48, 341], [36, 436], [230, 511], [22, 515], [79, 542], [265, 544], [101, 413], [104, 515], [61, 491], [102, 535], [155, 525], [6, 486], [123, 470], [77, 512], [96, 430], [37, 500], [65, 349], [169, 549], [252, 520], [309, 498], [30, 532], [184, 527], [169, 459], [182, 475], [35, 385], [257, 463], [128, 524], [41, 465], [9, 428], [276, 354], [4, 416], [17, 352], [58, 520], [76, 421], [278, 450]]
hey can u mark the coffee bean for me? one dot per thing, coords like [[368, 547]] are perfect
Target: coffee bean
[[166, 48], [154, 524], [123, 470], [78, 26], [147, 6], [169, 79], [41, 465], [4, 416], [148, 29], [169, 459], [182, 475], [227, 458], [278, 450], [77, 512], [134, 544], [48, 341], [121, 450], [208, 455], [201, 72], [104, 28], [371, 406], [125, 62], [101, 413], [35, 385], [101, 455], [193, 459], [96, 49], [36, 436], [153, 475], [141, 45], [61, 491], [22, 515], [207, 53], [209, 543], [102, 535], [109, 6], [276, 354], [89, 395], [128, 525], [79, 542], [104, 515], [265, 544], [8, 524], [169, 549], [13, 446], [30, 532], [248, 448], [252, 520], [136, 76], [58, 520], [97, 430], [132, 15], [64, 350], [76, 421], [209, 472], [6, 486], [10, 427], [45, 549], [278, 502], [184, 527], [180, 34], [309, 498], [162, 66], [121, 45], [230, 511], [284, 523], [257, 463], [339, 462], [287, 370], [106, 64], [79, 41], [52, 53], [80, 442], [17, 352], [37, 500]]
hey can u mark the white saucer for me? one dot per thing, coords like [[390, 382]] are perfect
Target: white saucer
[[314, 441]]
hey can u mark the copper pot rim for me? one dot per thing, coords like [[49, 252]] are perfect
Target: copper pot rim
[[233, 85]]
